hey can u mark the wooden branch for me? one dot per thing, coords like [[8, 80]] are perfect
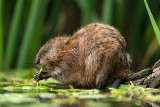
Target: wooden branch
[[149, 77]]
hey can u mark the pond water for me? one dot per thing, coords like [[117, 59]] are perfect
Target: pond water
[[19, 92]]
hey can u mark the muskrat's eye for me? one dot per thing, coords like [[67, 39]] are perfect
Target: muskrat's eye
[[46, 50]]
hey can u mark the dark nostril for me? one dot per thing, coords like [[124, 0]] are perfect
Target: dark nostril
[[37, 61]]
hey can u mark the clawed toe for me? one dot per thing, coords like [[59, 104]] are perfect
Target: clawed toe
[[37, 76], [40, 75]]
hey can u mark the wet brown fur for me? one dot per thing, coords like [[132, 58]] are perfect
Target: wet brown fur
[[92, 57]]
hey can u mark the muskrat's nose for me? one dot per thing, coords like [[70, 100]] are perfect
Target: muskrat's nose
[[37, 61]]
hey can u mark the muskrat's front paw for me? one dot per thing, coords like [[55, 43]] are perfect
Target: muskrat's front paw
[[39, 75]]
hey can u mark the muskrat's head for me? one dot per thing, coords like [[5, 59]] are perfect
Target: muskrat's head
[[49, 51]]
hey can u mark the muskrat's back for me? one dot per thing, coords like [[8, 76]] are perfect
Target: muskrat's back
[[94, 56]]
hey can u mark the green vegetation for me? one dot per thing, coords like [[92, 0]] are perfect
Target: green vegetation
[[25, 28], [13, 34], [107, 13], [25, 25], [21, 92], [32, 33], [156, 30], [1, 34], [87, 8]]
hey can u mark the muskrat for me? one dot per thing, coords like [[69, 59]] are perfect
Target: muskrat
[[92, 57]]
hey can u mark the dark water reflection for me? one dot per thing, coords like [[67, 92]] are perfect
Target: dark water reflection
[[93, 103]]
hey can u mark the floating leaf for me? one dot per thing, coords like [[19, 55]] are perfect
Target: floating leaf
[[28, 87], [42, 87]]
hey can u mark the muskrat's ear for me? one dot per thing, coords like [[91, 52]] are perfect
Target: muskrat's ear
[[65, 42]]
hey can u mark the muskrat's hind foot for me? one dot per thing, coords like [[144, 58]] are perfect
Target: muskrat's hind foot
[[41, 76], [116, 83]]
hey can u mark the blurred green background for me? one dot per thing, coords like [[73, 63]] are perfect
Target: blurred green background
[[25, 25]]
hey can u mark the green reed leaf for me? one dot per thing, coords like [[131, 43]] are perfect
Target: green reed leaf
[[155, 27]]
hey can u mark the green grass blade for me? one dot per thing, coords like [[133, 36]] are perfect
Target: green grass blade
[[36, 36], [155, 27], [33, 19], [1, 34], [119, 15], [54, 16], [136, 41], [13, 34], [87, 10], [107, 12]]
